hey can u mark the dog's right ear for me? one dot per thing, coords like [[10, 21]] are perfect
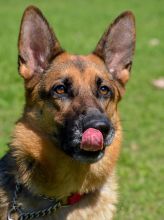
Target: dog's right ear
[[37, 44]]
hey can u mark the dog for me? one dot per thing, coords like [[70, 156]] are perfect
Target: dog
[[63, 152]]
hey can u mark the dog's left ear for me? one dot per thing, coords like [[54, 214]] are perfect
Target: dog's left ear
[[116, 47], [37, 44]]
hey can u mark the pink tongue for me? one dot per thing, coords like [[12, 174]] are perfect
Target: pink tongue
[[92, 140]]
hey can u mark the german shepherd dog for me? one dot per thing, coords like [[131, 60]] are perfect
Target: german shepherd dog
[[61, 160]]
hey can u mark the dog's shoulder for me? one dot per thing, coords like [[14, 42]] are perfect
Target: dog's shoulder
[[6, 183], [7, 171]]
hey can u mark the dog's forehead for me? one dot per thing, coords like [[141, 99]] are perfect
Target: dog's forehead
[[81, 70], [66, 63]]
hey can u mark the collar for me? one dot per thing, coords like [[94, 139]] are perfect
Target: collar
[[53, 206], [74, 198]]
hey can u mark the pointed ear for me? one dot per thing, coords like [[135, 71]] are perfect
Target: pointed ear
[[116, 47], [37, 44]]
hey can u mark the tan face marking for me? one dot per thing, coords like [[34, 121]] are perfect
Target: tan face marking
[[83, 70]]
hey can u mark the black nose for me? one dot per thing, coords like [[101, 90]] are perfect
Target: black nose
[[102, 124]]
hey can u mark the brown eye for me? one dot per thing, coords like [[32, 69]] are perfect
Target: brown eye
[[60, 89], [104, 90]]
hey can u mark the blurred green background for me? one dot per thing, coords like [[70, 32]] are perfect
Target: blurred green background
[[79, 25]]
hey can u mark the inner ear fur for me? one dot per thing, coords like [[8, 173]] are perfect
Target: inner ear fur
[[37, 44], [116, 46]]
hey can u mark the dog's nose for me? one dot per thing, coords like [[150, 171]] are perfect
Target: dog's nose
[[94, 118], [101, 124]]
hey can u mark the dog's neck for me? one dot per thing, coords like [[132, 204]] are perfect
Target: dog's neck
[[45, 169]]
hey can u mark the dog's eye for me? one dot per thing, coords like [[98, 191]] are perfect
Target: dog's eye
[[60, 89], [104, 90]]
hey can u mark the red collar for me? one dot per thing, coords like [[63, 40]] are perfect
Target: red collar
[[74, 198]]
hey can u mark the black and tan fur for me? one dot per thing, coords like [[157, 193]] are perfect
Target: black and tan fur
[[44, 154]]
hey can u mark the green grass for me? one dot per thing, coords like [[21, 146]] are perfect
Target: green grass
[[79, 24]]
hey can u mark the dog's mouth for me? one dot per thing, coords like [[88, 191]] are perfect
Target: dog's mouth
[[87, 145], [88, 156], [93, 145], [85, 137]]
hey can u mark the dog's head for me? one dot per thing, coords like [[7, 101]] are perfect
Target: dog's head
[[72, 99]]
